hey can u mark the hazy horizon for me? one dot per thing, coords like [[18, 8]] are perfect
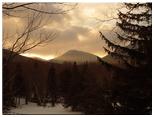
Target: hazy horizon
[[33, 55]]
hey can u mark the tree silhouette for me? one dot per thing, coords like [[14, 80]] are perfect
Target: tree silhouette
[[65, 82], [36, 16], [19, 87], [8, 96], [33, 16], [75, 86], [135, 25], [139, 37], [52, 85]]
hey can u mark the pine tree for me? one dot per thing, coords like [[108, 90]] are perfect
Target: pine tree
[[19, 86], [135, 25], [136, 29], [52, 85]]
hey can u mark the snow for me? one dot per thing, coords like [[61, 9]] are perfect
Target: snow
[[32, 108]]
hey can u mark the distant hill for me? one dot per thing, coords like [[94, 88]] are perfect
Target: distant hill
[[33, 70], [111, 60], [20, 58], [69, 57], [75, 56], [114, 61], [82, 57]]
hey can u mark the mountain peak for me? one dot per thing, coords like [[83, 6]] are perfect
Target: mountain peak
[[77, 52], [76, 56]]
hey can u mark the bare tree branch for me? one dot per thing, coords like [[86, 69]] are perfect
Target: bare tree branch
[[46, 12], [8, 6], [30, 35], [35, 21], [106, 20]]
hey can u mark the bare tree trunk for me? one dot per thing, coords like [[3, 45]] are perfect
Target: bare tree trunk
[[26, 100], [18, 100], [37, 94]]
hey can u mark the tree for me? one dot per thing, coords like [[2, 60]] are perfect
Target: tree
[[135, 25], [35, 83], [35, 15], [65, 82], [52, 85], [19, 87], [71, 82], [138, 35], [75, 87]]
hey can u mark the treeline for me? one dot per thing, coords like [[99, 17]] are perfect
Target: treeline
[[91, 88], [121, 92]]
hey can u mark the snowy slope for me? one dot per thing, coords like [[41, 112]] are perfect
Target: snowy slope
[[75, 56], [32, 108]]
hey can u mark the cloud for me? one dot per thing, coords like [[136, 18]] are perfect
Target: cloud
[[78, 29]]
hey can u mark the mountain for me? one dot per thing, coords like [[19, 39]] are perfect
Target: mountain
[[32, 70], [17, 58], [114, 61], [111, 60], [69, 56], [21, 59], [75, 56]]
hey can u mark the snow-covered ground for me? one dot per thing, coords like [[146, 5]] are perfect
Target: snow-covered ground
[[32, 108]]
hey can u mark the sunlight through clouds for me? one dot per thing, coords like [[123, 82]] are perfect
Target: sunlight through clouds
[[38, 56], [89, 12], [79, 27]]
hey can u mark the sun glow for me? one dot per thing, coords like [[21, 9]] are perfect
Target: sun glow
[[81, 38], [31, 55], [100, 54], [89, 12]]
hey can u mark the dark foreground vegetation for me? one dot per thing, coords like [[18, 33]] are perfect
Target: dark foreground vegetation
[[91, 88]]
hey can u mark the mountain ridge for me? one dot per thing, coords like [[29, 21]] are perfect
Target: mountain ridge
[[75, 56]]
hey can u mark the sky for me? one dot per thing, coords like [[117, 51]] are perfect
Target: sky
[[78, 29]]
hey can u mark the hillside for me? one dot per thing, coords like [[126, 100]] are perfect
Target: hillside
[[75, 56]]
